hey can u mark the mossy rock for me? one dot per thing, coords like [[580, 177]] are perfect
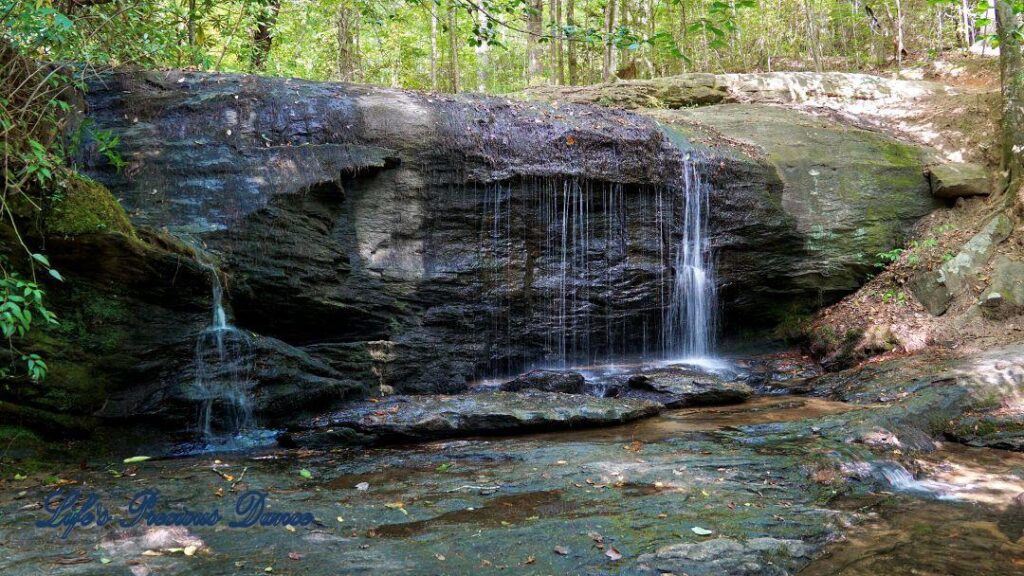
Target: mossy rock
[[84, 206]]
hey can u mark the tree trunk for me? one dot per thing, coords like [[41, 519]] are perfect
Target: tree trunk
[[191, 23], [453, 48], [348, 19], [482, 56], [812, 35], [263, 35], [608, 66], [534, 30], [570, 20], [899, 34], [557, 61], [433, 46], [1011, 60]]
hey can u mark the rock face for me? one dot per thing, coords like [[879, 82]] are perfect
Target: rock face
[[958, 180], [404, 418], [547, 381], [383, 237], [845, 196]]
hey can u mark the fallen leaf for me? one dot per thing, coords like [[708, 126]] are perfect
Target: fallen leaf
[[613, 554], [701, 531], [561, 550]]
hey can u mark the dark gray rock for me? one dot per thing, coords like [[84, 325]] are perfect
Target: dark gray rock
[[677, 388], [435, 416], [548, 381], [416, 240], [957, 180]]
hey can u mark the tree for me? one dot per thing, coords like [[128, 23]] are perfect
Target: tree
[[263, 33], [348, 29], [534, 32], [1011, 58], [453, 47]]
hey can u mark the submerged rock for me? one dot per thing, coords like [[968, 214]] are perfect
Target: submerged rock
[[728, 557], [548, 381], [679, 388], [404, 418]]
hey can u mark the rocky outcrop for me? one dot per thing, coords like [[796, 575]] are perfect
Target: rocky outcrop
[[419, 241], [935, 289], [405, 418], [700, 89]]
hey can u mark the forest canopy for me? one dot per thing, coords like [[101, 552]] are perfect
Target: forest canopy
[[495, 46]]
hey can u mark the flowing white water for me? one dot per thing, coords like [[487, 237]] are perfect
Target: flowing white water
[[223, 378], [690, 318]]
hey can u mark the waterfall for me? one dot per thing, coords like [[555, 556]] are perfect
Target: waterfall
[[223, 373], [690, 318]]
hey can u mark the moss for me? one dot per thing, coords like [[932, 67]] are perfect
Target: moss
[[84, 206]]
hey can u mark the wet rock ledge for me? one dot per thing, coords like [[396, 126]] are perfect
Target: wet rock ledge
[[416, 418]]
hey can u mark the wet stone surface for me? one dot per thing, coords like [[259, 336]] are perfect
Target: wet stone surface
[[424, 417], [776, 485]]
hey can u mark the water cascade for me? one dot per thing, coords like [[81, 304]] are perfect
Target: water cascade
[[580, 248], [690, 316], [223, 378]]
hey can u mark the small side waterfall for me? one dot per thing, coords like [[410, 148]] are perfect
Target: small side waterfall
[[223, 377], [690, 318]]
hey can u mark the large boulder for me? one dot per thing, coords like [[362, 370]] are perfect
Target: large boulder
[[378, 236]]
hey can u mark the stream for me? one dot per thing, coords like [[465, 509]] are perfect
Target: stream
[[755, 488]]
